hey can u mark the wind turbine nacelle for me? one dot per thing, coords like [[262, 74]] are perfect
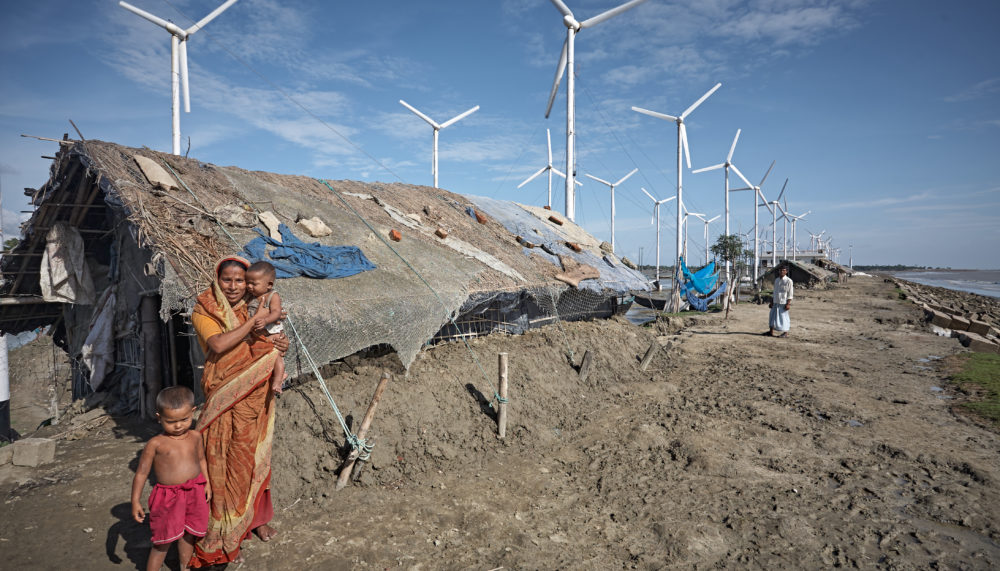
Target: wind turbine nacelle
[[570, 22]]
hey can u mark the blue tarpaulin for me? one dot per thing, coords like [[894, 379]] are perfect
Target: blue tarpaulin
[[292, 257], [703, 280]]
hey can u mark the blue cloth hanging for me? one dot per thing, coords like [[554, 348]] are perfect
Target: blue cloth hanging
[[292, 257], [703, 280]]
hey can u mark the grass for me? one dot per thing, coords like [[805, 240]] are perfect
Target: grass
[[983, 371]]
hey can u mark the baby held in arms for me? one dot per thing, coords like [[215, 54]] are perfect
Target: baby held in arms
[[265, 310]]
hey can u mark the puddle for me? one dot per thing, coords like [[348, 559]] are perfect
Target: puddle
[[928, 358], [937, 390], [855, 423], [639, 315]]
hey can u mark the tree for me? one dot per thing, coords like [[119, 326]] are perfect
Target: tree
[[9, 244]]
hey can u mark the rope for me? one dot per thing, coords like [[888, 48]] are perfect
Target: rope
[[356, 443], [414, 270]]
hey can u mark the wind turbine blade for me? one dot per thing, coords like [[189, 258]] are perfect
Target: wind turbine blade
[[646, 192], [421, 115], [563, 8], [684, 139], [559, 172], [743, 178], [458, 118], [782, 193], [168, 26], [185, 90], [714, 219], [609, 14], [560, 69], [597, 179], [532, 177], [711, 168], [729, 157], [548, 138], [767, 173], [624, 178], [201, 24], [668, 199], [700, 101], [576, 181], [654, 113]]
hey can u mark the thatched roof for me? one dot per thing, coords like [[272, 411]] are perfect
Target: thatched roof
[[802, 273]]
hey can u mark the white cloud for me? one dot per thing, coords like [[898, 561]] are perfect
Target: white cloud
[[981, 90]]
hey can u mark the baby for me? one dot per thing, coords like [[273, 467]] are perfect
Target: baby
[[178, 504], [265, 310]]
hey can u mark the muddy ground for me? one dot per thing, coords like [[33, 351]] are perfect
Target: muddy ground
[[839, 446]]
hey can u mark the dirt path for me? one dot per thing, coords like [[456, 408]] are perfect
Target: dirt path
[[832, 447]]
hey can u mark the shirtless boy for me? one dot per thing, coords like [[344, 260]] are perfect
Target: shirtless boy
[[178, 504], [265, 310]]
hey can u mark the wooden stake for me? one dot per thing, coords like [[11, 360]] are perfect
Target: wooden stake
[[502, 408], [345, 473], [644, 364], [585, 366]]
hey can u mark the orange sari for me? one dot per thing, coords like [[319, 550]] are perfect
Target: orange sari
[[237, 425]]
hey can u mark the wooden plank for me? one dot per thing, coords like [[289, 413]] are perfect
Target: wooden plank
[[585, 366], [644, 364]]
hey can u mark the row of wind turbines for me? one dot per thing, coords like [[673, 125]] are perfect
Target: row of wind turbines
[[565, 67]]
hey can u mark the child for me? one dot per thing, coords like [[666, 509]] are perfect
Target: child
[[178, 504], [265, 310]]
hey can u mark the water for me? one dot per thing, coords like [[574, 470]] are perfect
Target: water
[[982, 282]]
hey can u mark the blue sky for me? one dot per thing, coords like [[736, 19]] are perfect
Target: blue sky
[[884, 116]]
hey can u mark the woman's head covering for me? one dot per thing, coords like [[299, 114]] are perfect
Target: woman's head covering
[[238, 259]]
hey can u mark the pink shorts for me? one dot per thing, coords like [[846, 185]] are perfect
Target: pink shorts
[[178, 508]]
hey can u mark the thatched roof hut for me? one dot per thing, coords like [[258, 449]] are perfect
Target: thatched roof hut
[[113, 261], [802, 274]]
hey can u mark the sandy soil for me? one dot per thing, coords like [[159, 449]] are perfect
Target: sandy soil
[[839, 446]]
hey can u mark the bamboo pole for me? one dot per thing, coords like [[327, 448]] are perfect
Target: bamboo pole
[[502, 407], [345, 473]]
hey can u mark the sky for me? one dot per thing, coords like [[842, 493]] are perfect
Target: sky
[[884, 116]]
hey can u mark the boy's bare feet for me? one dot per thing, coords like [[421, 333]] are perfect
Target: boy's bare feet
[[265, 532]]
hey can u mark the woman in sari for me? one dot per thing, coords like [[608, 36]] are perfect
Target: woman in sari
[[237, 422]]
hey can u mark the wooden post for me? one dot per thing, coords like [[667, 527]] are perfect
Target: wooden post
[[345, 473], [502, 408], [585, 366], [649, 355]]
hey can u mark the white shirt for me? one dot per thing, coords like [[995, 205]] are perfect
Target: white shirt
[[783, 287]]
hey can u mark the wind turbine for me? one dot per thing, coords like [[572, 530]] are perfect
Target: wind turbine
[[707, 222], [548, 167], [686, 214], [756, 233], [726, 165], [437, 127], [566, 59], [613, 185], [682, 152], [656, 214], [795, 219], [775, 206], [178, 62]]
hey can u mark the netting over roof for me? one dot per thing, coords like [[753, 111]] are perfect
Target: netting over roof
[[419, 282]]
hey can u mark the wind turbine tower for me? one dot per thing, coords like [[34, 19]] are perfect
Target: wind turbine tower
[[613, 185], [682, 152], [178, 63], [437, 127], [566, 61], [656, 215]]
